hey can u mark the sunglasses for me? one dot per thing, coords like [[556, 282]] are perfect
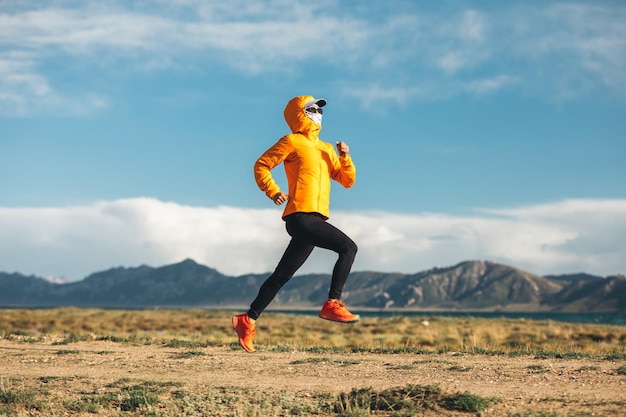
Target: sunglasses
[[314, 110]]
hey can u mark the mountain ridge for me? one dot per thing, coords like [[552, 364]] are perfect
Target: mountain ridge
[[467, 286]]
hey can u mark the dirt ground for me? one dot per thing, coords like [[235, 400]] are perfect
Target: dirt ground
[[564, 386]]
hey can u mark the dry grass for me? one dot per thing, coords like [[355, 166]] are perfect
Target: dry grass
[[194, 327]]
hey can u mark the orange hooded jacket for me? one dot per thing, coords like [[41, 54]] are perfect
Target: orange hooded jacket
[[310, 164]]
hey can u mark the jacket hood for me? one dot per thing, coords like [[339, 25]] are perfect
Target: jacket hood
[[296, 118]]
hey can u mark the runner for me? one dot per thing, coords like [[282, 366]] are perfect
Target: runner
[[309, 164]]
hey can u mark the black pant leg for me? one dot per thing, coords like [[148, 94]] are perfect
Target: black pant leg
[[295, 255]]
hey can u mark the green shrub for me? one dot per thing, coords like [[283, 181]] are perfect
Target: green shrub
[[467, 402], [136, 398]]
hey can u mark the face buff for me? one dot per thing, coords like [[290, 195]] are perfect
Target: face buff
[[315, 114]]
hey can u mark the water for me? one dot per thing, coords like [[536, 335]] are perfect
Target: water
[[591, 318]]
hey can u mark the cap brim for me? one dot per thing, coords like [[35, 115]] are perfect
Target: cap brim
[[321, 102]]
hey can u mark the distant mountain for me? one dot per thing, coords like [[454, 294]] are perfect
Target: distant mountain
[[471, 285]]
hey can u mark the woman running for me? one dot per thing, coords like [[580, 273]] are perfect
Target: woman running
[[309, 164]]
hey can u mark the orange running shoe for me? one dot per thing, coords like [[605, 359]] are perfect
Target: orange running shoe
[[246, 331], [335, 310]]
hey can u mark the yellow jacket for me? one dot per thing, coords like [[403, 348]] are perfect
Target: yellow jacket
[[310, 164]]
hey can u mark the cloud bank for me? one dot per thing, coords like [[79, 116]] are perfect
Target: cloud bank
[[73, 242]]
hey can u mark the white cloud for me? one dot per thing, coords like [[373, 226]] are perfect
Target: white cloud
[[473, 25], [574, 47], [557, 49], [271, 37], [375, 96], [561, 237], [24, 90], [260, 37], [452, 61], [489, 85]]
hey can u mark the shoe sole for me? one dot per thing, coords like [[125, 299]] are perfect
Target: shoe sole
[[336, 320]]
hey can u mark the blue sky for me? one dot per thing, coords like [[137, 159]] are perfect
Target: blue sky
[[480, 130]]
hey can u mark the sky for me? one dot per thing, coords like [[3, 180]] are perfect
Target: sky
[[480, 131]]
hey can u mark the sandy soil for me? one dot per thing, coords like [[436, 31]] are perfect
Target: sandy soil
[[565, 386]]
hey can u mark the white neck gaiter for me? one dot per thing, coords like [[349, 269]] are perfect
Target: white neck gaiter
[[315, 117]]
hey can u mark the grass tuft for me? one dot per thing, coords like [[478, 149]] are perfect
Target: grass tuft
[[407, 401], [467, 402], [188, 354], [14, 393], [67, 352], [73, 338]]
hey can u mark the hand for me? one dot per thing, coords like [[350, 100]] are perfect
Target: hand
[[343, 148], [280, 197]]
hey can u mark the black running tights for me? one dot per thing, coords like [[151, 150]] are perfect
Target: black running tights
[[307, 230]]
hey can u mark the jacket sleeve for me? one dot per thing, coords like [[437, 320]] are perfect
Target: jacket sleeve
[[270, 158], [345, 171]]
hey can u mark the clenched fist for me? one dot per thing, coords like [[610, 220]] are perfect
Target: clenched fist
[[342, 148], [280, 197]]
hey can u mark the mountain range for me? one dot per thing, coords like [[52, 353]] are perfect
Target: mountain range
[[468, 286]]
